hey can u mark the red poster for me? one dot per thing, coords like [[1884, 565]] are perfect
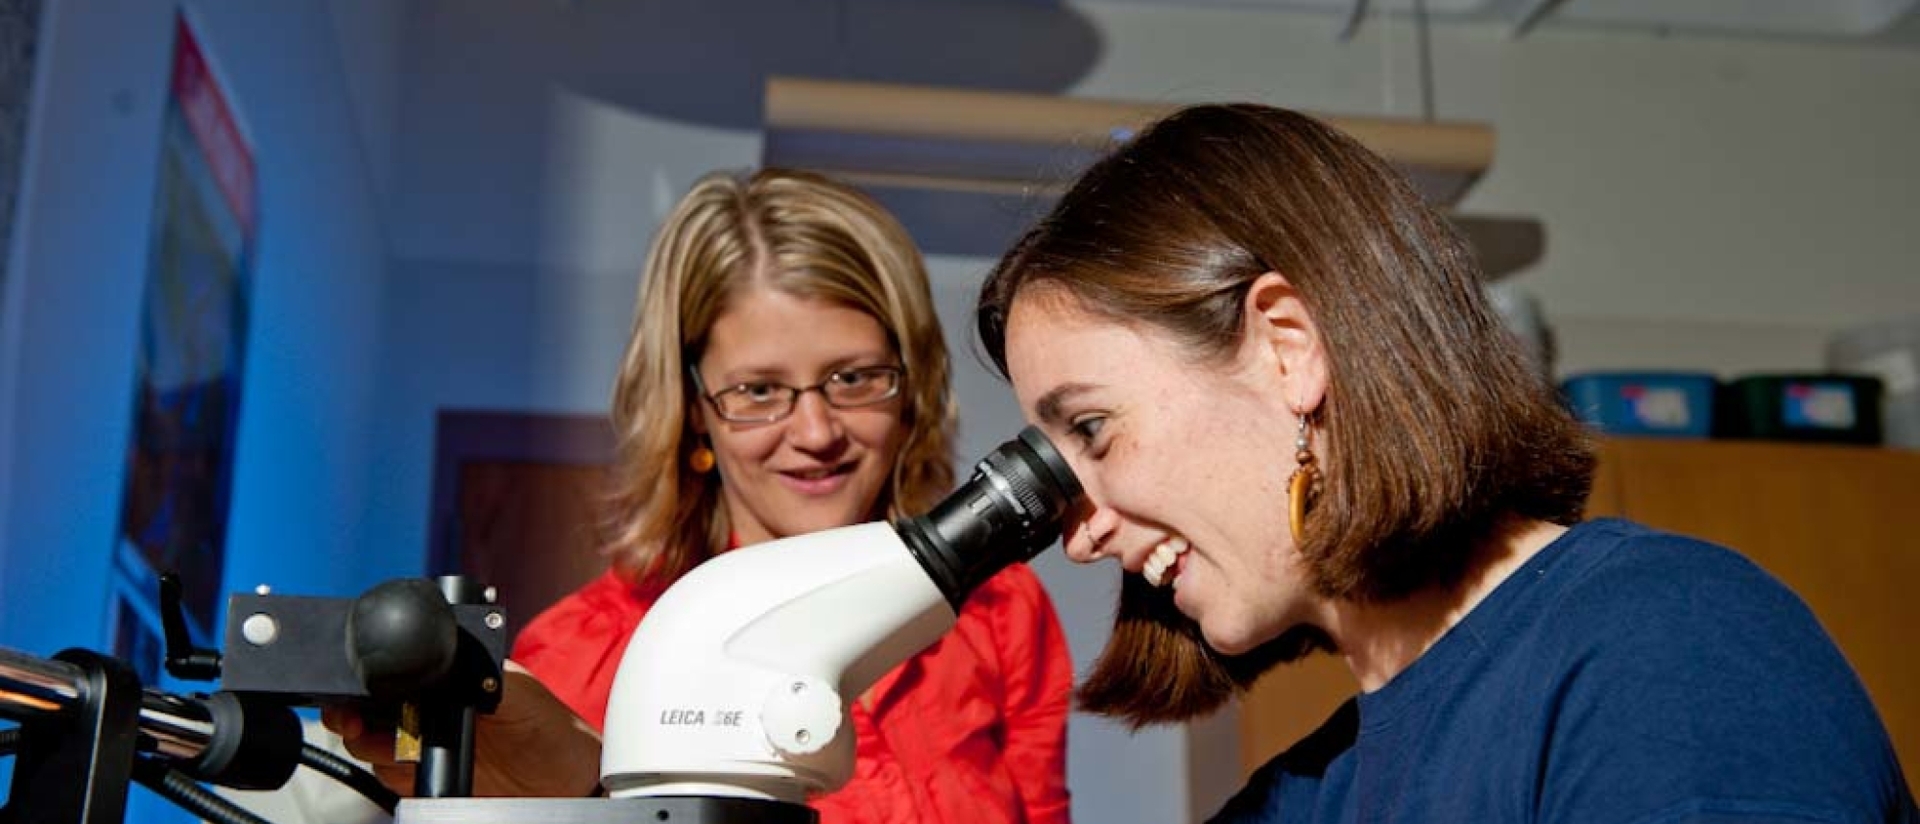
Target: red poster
[[193, 334]]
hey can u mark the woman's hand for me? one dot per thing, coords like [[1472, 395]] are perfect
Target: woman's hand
[[530, 746]]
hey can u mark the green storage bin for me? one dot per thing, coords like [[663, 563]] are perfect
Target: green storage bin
[[1822, 408]]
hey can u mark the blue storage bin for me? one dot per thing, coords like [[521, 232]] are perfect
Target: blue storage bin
[[1665, 404]]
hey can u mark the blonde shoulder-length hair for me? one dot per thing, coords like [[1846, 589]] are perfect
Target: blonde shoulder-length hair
[[800, 233]]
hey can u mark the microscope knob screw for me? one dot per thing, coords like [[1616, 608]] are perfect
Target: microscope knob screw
[[260, 629], [802, 716]]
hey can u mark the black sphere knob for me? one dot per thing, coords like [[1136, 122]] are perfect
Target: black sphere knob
[[401, 638]]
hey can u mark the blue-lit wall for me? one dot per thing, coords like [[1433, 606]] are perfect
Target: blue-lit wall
[[68, 338], [73, 290]]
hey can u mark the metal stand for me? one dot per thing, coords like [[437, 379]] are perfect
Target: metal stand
[[447, 723], [74, 765], [433, 647]]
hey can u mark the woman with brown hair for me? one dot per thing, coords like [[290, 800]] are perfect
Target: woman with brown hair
[[1300, 427]]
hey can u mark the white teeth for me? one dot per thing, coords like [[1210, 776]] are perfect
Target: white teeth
[[1163, 558]]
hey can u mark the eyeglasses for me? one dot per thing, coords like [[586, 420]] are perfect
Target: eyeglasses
[[768, 401]]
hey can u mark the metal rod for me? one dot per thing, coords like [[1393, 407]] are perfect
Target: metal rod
[[447, 729], [75, 763], [179, 729], [1354, 17], [446, 753], [33, 687], [36, 686], [1536, 11]]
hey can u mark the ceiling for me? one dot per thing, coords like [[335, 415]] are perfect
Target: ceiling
[[1893, 23]]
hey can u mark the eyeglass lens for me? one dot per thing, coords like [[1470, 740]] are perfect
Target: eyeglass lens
[[767, 400]]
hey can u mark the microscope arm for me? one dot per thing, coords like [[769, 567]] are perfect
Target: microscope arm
[[737, 681]]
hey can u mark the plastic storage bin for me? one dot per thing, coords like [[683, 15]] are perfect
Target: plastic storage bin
[[1831, 408], [1661, 404]]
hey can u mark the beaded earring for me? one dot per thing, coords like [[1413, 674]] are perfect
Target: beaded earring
[[1302, 485]]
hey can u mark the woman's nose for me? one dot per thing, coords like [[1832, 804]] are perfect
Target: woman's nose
[[1088, 532], [812, 424]]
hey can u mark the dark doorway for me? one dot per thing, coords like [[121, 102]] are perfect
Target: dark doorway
[[516, 504]]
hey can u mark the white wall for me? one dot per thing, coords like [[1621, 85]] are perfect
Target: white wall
[[370, 35], [1752, 195]]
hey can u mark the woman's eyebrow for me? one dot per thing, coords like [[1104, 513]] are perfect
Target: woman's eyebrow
[[860, 360], [1049, 407]]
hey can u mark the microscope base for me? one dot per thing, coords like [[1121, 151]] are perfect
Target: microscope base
[[670, 809]]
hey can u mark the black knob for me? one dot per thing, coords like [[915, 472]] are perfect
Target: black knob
[[401, 638]]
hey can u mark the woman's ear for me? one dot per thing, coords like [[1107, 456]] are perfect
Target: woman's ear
[[696, 420], [1277, 320]]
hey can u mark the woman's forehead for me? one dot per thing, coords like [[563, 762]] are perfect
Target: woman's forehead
[[1045, 304], [1055, 341], [777, 326]]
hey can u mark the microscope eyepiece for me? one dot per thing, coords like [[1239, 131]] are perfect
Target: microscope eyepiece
[[1008, 511]]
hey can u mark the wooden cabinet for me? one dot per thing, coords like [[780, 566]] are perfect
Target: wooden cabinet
[[1839, 524]]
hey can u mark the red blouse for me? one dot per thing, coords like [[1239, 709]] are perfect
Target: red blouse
[[973, 729]]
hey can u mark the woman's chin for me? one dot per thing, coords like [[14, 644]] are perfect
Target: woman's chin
[[825, 522], [1230, 638], [1220, 640]]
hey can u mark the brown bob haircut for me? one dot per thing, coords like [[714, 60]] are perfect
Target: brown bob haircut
[[1434, 427]]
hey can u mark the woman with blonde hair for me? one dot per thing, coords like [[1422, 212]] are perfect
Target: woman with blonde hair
[[786, 373]]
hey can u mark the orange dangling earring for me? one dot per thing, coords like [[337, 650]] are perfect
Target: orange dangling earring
[[1301, 485], [700, 460]]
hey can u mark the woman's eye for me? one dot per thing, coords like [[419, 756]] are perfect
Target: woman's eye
[[1086, 429], [848, 378], [759, 391]]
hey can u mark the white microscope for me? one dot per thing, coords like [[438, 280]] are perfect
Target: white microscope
[[731, 702]]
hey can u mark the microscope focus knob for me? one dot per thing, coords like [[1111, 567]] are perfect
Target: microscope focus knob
[[401, 638], [801, 715]]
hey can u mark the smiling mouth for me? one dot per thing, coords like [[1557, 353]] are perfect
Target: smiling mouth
[[1163, 565], [818, 481], [820, 474]]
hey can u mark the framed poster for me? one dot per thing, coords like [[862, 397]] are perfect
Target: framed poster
[[192, 347]]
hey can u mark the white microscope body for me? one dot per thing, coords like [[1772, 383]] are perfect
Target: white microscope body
[[730, 704], [737, 681]]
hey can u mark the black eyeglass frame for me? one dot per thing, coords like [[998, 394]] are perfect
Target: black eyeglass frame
[[793, 393]]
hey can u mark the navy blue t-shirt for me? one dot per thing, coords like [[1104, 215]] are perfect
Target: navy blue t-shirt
[[1620, 676]]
